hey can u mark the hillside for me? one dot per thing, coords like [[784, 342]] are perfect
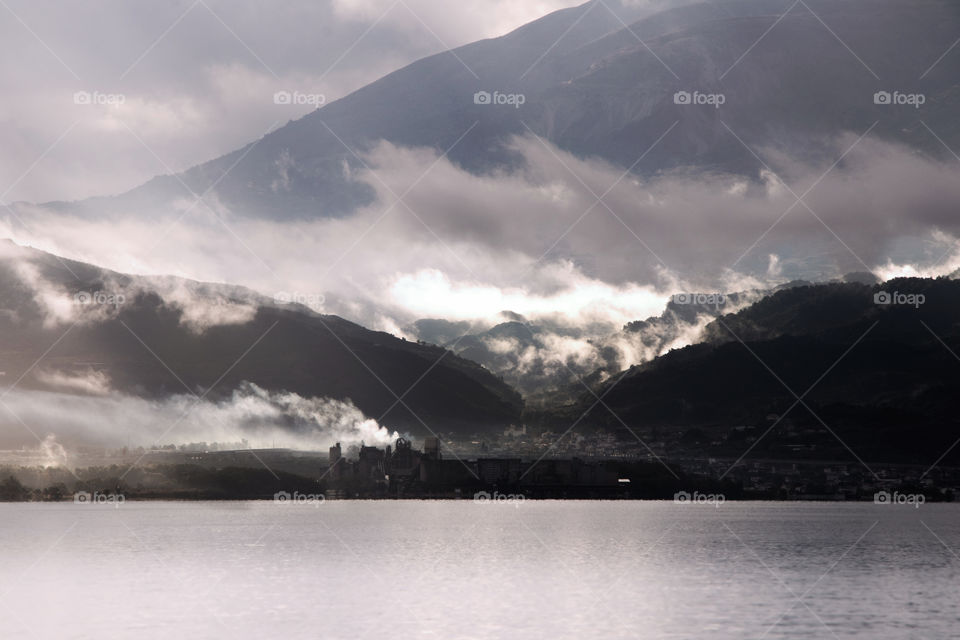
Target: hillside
[[600, 82], [156, 337], [876, 375]]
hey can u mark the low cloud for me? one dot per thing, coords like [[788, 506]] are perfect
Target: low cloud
[[89, 382], [61, 296], [203, 305], [541, 359], [534, 240], [261, 417]]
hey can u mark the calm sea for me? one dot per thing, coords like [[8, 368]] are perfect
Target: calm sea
[[467, 570]]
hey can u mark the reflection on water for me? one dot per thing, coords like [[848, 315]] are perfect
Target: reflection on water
[[479, 570]]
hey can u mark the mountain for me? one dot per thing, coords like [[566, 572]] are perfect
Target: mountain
[[70, 325], [550, 363], [876, 365], [599, 80]]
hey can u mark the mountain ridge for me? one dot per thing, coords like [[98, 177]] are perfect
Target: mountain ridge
[[153, 340], [824, 366], [603, 89]]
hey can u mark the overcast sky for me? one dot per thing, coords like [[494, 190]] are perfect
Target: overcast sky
[[196, 77]]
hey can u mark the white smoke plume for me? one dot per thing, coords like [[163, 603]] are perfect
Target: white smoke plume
[[53, 453]]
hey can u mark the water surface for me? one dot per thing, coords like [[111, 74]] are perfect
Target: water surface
[[465, 570]]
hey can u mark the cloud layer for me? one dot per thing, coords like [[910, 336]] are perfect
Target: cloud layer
[[537, 241], [262, 418]]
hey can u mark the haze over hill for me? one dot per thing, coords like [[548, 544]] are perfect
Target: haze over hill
[[599, 81], [97, 356], [292, 292], [529, 201], [407, 199], [842, 371]]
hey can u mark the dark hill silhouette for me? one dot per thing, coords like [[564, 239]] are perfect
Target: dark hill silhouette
[[291, 349], [882, 377]]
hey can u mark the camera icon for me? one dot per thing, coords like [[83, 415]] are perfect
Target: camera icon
[[681, 298], [281, 497], [82, 97], [482, 496], [282, 97], [881, 497], [83, 297], [681, 497], [82, 497], [882, 297], [482, 97], [882, 97], [282, 297], [682, 97]]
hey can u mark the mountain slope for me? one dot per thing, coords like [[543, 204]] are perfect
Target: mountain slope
[[875, 375], [157, 337], [597, 87], [549, 364]]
